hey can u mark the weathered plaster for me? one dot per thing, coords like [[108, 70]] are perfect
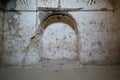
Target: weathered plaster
[[1, 34], [59, 42], [25, 41], [86, 4], [18, 30], [47, 3], [115, 3], [98, 34]]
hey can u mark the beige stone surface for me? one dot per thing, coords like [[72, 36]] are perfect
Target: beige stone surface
[[62, 70]]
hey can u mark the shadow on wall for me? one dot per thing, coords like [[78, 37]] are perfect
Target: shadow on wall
[[114, 3], [3, 3], [7, 4]]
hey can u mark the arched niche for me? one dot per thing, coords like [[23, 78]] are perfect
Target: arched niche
[[59, 42], [68, 20]]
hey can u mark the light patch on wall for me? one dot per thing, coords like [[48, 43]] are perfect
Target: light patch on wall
[[59, 42]]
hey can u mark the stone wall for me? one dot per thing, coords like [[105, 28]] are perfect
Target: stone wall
[[1, 35], [98, 27], [115, 3]]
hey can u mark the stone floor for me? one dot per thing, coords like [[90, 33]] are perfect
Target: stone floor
[[62, 70]]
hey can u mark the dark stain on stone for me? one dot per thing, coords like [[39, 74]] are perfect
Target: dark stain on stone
[[100, 43], [61, 63], [11, 4], [53, 17], [33, 37], [58, 47], [92, 22], [94, 2], [90, 54], [104, 9], [58, 17], [18, 23], [91, 2], [27, 47], [57, 39], [98, 31], [3, 3], [107, 58]]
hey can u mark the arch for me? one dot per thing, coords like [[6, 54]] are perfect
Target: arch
[[63, 17], [59, 17]]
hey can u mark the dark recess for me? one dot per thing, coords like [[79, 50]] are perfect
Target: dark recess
[[3, 3], [7, 4]]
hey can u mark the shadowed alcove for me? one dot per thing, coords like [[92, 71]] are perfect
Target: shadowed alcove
[[62, 29]]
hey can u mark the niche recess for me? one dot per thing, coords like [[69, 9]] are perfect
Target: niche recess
[[60, 20]]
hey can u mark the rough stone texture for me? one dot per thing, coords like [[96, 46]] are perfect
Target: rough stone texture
[[26, 5], [86, 4], [116, 3], [18, 29], [59, 42], [98, 35], [47, 3], [99, 31], [118, 30], [60, 70], [1, 34]]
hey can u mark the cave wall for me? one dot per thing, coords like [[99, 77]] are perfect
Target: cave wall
[[115, 3], [98, 31], [1, 34]]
